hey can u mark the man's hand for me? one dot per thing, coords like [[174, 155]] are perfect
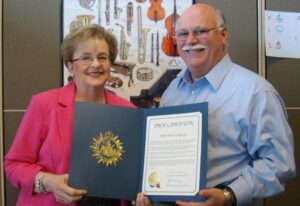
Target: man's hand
[[142, 200], [214, 197], [58, 185]]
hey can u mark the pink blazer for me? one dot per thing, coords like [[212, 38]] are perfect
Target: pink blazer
[[43, 141]]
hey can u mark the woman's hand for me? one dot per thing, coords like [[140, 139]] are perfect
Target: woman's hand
[[142, 200], [58, 185], [214, 197]]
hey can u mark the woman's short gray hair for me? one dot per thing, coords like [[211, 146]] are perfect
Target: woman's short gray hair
[[71, 41]]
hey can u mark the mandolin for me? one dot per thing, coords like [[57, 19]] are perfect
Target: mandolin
[[156, 12], [169, 45]]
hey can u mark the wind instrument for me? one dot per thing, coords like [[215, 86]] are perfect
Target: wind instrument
[[99, 12], [81, 20], [124, 45], [85, 19], [142, 37], [157, 49], [107, 12], [152, 47], [117, 10], [129, 17]]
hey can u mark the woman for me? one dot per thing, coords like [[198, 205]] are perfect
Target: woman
[[38, 160]]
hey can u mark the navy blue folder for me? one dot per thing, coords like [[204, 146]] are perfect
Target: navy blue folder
[[121, 179]]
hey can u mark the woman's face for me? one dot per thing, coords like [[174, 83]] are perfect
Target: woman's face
[[91, 64]]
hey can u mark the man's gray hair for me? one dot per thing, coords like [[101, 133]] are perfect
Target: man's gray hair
[[221, 22]]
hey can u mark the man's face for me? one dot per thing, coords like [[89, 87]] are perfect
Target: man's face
[[200, 42]]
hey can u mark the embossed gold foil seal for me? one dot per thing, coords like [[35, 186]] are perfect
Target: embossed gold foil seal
[[107, 149], [154, 179]]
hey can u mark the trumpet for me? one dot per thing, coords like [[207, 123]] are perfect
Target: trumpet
[[117, 10], [124, 45], [142, 37]]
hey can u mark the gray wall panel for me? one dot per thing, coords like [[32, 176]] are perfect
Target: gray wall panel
[[284, 73], [241, 18], [31, 60], [11, 124], [31, 32]]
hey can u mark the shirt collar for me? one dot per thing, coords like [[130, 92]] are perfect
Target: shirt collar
[[215, 75], [219, 71]]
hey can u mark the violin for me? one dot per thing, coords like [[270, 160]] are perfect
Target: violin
[[156, 12], [169, 45]]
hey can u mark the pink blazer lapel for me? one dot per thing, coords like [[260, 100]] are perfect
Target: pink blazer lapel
[[65, 113]]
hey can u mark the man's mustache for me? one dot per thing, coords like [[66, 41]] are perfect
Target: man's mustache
[[193, 47]]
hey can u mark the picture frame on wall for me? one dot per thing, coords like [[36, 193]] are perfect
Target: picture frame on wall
[[148, 59]]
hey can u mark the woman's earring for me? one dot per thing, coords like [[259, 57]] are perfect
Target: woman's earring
[[70, 77]]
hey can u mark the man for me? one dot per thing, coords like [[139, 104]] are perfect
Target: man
[[250, 144]]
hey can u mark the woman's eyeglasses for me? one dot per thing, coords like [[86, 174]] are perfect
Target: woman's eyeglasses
[[88, 59]]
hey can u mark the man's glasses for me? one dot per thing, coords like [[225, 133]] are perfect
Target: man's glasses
[[88, 59], [198, 32]]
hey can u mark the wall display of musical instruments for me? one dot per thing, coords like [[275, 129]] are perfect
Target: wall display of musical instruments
[[147, 48]]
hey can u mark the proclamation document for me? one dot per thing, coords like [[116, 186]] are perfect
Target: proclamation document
[[161, 152], [172, 154]]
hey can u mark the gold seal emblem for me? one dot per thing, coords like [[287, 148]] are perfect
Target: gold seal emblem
[[154, 180], [107, 149]]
